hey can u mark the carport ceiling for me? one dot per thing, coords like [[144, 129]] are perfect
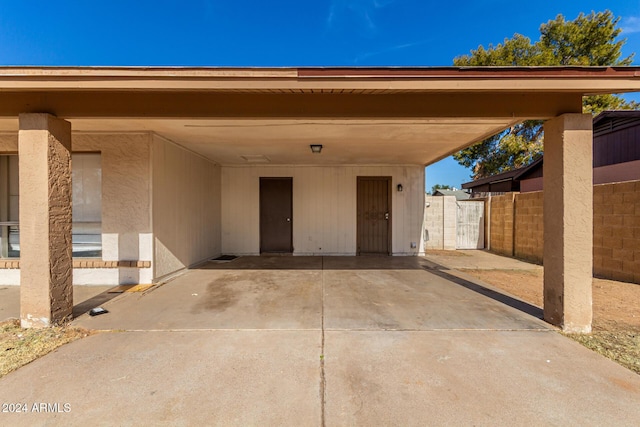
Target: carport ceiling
[[379, 116], [287, 141]]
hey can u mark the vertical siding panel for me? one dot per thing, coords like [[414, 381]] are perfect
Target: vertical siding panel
[[240, 194], [298, 209], [311, 226], [253, 239], [332, 246], [405, 210], [315, 225], [304, 216], [320, 209], [403, 199], [325, 207], [349, 211], [329, 229], [339, 188], [344, 189]]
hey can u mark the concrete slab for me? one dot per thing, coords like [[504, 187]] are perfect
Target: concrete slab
[[209, 378], [334, 341], [412, 300], [376, 263], [276, 262], [220, 299], [473, 378], [84, 298]]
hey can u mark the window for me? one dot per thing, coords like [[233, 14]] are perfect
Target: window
[[9, 237], [86, 175]]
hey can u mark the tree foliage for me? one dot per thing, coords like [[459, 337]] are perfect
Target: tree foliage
[[589, 40]]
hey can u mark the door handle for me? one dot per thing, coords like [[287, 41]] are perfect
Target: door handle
[[386, 215], [288, 219]]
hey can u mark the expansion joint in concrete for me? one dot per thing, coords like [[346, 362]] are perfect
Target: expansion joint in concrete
[[323, 383]]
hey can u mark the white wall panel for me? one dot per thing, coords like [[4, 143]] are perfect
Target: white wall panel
[[186, 207], [324, 207]]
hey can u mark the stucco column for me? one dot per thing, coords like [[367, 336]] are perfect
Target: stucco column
[[44, 149], [568, 222]]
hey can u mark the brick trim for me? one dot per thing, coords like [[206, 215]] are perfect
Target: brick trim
[[85, 263], [9, 264]]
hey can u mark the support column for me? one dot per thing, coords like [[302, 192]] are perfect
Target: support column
[[568, 222], [44, 149]]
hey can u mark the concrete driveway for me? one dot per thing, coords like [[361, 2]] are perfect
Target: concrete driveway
[[323, 341]]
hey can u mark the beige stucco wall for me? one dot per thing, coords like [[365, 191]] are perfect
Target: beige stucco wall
[[186, 207], [126, 192], [324, 207], [126, 200]]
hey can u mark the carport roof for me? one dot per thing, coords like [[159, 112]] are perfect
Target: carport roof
[[381, 115]]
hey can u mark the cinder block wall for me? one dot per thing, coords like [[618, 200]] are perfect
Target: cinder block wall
[[616, 231], [529, 226], [502, 217], [517, 225]]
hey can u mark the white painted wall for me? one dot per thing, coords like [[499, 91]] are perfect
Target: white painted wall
[[186, 207], [440, 222], [434, 222], [9, 277], [324, 207]]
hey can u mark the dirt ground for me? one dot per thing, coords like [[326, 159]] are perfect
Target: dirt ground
[[613, 302], [616, 311], [20, 346]]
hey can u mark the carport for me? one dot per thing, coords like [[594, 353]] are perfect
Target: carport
[[382, 122]]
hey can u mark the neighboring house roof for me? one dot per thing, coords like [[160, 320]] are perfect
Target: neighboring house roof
[[512, 175], [459, 194], [609, 121], [608, 149]]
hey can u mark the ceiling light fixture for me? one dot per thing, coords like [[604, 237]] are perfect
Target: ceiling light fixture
[[316, 148]]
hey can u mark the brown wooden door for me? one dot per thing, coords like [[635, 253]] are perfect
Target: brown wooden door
[[276, 220], [374, 215]]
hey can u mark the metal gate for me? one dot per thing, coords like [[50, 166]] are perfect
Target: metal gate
[[470, 225]]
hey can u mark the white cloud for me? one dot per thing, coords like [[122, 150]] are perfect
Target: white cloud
[[362, 11], [630, 24], [389, 49]]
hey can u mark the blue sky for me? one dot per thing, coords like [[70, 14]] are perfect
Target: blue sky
[[281, 33]]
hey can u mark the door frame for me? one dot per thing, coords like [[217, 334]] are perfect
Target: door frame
[[389, 180], [271, 178]]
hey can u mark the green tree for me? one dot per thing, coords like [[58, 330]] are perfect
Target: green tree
[[587, 40], [440, 187]]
